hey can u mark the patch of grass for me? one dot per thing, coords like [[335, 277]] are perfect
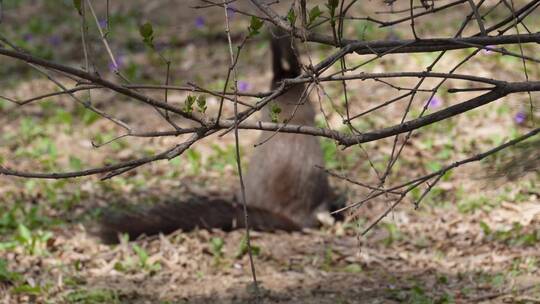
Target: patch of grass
[[138, 263], [24, 214], [33, 242], [194, 159], [328, 259], [92, 296], [393, 233], [418, 295], [514, 236], [222, 157], [143, 259], [479, 202], [495, 280], [353, 268], [330, 154], [28, 289], [6, 276]]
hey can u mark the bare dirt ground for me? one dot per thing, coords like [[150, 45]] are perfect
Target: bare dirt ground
[[474, 240]]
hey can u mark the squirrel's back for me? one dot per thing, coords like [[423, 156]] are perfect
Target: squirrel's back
[[283, 174]]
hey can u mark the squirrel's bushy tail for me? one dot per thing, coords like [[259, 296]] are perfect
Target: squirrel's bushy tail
[[197, 212]]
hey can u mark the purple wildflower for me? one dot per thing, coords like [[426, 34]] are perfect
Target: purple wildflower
[[231, 11], [115, 66], [160, 46], [243, 86], [103, 23], [27, 37], [55, 40], [520, 117], [487, 50], [434, 102], [200, 22]]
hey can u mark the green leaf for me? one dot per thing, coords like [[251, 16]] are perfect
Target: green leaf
[[291, 16], [188, 104], [147, 33], [89, 117], [75, 163], [141, 253], [27, 289], [485, 228], [146, 30], [6, 275], [353, 268], [217, 246], [201, 103], [274, 112], [63, 116], [25, 235], [332, 5], [314, 13], [78, 6], [243, 248], [434, 166], [194, 159], [254, 26]]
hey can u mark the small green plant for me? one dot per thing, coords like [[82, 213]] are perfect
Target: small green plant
[[34, 242], [254, 26], [188, 104], [442, 279], [485, 228], [366, 30], [94, 296], [353, 268], [314, 13], [275, 110], [147, 33], [222, 157], [75, 163], [86, 116], [393, 233], [291, 17], [7, 276], [216, 247], [195, 161], [29, 129], [62, 116], [328, 259], [243, 249], [201, 103], [19, 213], [140, 262], [330, 152], [418, 295], [28, 289], [472, 204], [331, 5], [143, 259], [512, 236]]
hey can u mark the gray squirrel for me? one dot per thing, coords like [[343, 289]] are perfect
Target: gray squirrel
[[285, 189]]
